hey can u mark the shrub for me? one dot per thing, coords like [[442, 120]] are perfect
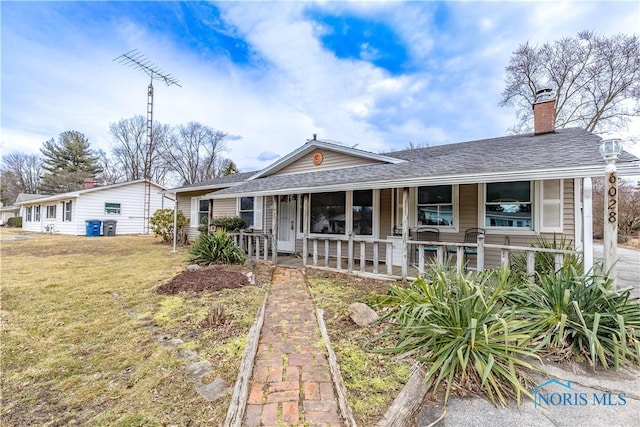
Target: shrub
[[462, 330], [574, 314], [15, 221], [162, 225], [215, 248], [229, 223]]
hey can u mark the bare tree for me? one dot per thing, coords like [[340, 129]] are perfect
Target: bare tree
[[596, 80], [21, 173], [112, 173], [628, 208], [130, 148], [194, 152]]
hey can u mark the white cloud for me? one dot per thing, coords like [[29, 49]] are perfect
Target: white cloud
[[449, 92]]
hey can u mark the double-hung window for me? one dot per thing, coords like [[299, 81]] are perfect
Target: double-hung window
[[51, 212], [250, 210], [36, 213], [435, 206], [68, 209], [508, 205], [246, 210], [28, 213]]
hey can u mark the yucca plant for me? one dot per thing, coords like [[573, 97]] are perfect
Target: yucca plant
[[582, 315], [545, 261], [215, 248], [463, 331]]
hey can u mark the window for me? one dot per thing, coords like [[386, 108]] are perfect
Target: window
[[67, 210], [51, 212], [246, 210], [112, 208], [28, 212], [435, 206], [36, 213], [508, 204], [362, 211], [328, 212], [250, 210]]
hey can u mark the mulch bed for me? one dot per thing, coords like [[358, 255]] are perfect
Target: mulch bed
[[205, 280]]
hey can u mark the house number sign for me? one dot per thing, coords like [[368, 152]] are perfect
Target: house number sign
[[612, 197]]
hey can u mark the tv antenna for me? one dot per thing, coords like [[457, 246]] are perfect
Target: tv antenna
[[136, 60]]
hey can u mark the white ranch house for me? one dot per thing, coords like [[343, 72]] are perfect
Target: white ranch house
[[342, 208], [67, 213]]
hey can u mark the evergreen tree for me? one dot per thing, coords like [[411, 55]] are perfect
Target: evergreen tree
[[67, 162]]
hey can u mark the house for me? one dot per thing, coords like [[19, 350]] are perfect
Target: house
[[67, 213], [326, 200]]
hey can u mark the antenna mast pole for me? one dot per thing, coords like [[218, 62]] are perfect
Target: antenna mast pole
[[136, 60]]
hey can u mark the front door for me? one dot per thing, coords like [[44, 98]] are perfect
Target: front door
[[287, 225]]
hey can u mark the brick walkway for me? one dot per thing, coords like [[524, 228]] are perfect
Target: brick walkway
[[291, 383]]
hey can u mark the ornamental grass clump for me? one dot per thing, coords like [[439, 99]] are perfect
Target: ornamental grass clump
[[575, 315], [463, 331], [215, 248]]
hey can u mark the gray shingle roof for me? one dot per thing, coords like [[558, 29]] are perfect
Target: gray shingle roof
[[218, 182], [563, 150]]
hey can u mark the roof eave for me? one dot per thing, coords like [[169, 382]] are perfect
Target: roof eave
[[528, 175]]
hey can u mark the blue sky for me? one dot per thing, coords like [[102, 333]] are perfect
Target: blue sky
[[271, 74]]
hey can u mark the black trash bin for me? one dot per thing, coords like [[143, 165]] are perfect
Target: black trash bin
[[109, 227], [93, 227]]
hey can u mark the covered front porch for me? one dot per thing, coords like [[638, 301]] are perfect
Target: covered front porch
[[401, 243]]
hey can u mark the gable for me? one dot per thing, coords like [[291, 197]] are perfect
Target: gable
[[323, 159]]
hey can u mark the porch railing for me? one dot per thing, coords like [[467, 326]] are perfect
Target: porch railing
[[390, 257], [256, 246], [363, 255]]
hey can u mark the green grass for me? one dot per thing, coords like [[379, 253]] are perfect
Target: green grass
[[76, 348]]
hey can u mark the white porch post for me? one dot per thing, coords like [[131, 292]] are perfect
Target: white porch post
[[305, 227], [610, 149], [274, 229], [587, 224], [405, 231]]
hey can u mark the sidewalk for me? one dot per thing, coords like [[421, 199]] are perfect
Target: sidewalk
[[291, 382]]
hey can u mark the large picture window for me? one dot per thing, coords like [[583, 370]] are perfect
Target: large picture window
[[328, 213], [508, 204], [362, 211], [246, 210], [435, 205]]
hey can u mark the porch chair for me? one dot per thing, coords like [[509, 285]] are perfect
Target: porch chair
[[470, 236], [427, 234]]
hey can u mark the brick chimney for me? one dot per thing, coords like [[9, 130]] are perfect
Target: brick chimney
[[88, 183], [544, 112]]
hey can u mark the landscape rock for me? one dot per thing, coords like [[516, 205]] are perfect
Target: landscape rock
[[188, 354], [361, 314], [197, 370], [193, 267], [212, 391]]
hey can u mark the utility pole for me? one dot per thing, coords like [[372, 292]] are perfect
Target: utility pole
[[136, 60]]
